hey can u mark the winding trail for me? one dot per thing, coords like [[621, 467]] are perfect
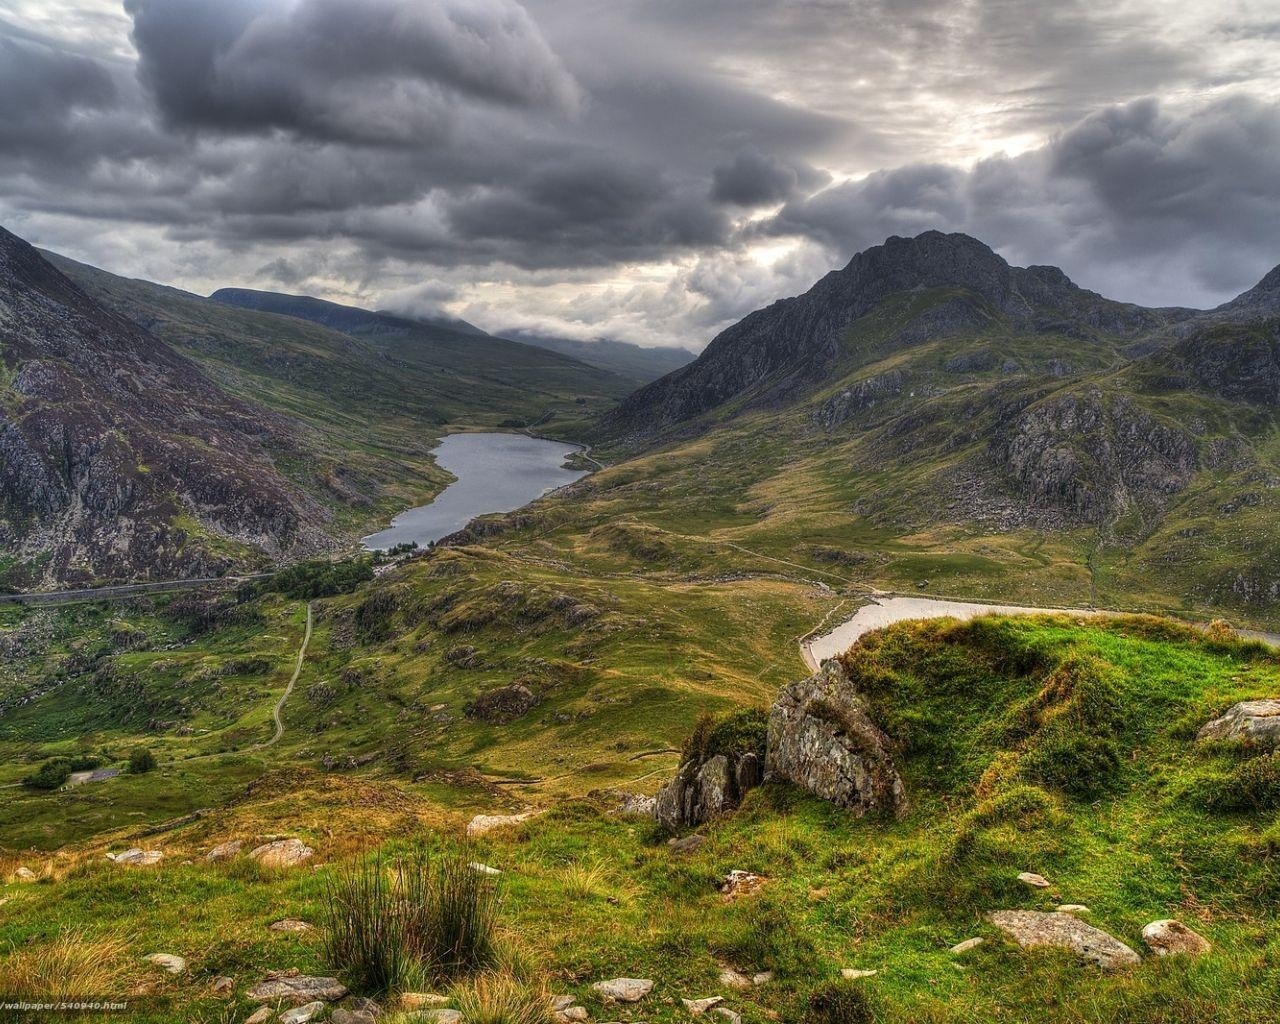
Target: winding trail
[[297, 671]]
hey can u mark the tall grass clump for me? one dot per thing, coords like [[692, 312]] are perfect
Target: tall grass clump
[[496, 997], [72, 967], [405, 921]]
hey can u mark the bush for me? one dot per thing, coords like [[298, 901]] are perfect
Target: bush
[[141, 760], [733, 735], [1253, 785], [422, 918], [308, 580], [54, 773], [838, 1002]]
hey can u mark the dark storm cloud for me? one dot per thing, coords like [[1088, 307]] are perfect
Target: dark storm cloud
[[752, 178], [1129, 200], [374, 71], [43, 88]]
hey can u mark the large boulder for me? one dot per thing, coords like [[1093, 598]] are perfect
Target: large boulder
[[1032, 928], [705, 790], [296, 989], [282, 853], [822, 738], [1173, 938], [1254, 721]]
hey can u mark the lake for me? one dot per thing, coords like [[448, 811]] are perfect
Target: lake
[[495, 473]]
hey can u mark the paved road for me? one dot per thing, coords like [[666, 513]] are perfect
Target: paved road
[[122, 591]]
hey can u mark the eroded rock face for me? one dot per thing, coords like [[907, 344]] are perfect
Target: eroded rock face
[[1031, 928], [1255, 721], [705, 790], [822, 739]]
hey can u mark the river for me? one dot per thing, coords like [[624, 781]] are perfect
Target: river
[[495, 473]]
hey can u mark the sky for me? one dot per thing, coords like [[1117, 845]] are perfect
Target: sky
[[645, 170]]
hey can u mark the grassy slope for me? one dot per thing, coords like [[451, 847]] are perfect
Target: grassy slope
[[591, 895]]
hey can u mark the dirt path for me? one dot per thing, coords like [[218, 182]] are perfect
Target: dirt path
[[297, 671]]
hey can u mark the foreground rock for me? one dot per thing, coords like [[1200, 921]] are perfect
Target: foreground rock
[[1032, 879], [483, 823], [704, 790], [1173, 938], [302, 1014], [822, 739], [24, 874], [700, 1006], [289, 924], [136, 857], [225, 851], [260, 1015], [170, 962], [283, 853], [968, 944], [296, 989], [740, 883], [345, 1016], [1032, 928], [624, 990], [1254, 721]]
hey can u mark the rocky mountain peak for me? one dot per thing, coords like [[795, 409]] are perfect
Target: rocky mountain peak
[[1262, 299]]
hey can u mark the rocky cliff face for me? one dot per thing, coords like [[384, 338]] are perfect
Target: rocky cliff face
[[775, 353], [118, 457]]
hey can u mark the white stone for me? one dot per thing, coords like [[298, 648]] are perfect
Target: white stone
[[282, 853], [968, 944], [1032, 879], [1031, 928], [853, 974], [699, 1006], [302, 1014], [1072, 908], [732, 979], [483, 869], [171, 963], [483, 823], [1173, 938], [624, 990]]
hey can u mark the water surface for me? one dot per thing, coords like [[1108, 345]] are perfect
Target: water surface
[[496, 473]]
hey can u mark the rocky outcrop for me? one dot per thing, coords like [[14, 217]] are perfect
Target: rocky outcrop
[[1251, 721], [502, 705], [1032, 928], [860, 397], [705, 790], [822, 739]]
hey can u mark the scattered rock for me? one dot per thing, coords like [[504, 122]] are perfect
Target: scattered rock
[[740, 883], [483, 869], [289, 924], [483, 823], [342, 1016], [260, 1015], [302, 1014], [763, 978], [1072, 908], [1173, 938], [822, 738], [136, 857], [24, 874], [171, 963], [283, 853], [1031, 928], [362, 1004], [700, 1006], [421, 1000], [638, 805], [561, 1002], [732, 979], [968, 944], [296, 988], [853, 974], [1257, 721], [624, 990], [502, 705], [700, 792], [572, 1015], [1032, 879], [728, 1014], [222, 985], [225, 851], [686, 845]]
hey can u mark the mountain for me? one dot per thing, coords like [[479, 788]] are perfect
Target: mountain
[[121, 458], [634, 362]]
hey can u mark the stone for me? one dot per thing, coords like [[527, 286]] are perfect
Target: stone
[[1173, 938], [302, 1014], [572, 1015], [170, 962], [689, 844], [732, 979], [624, 990], [24, 874], [968, 944], [700, 1006], [225, 851], [1032, 928], [483, 823], [1032, 879], [561, 1002], [740, 883], [296, 989], [282, 853], [763, 978], [421, 1000], [362, 1004], [260, 1015], [822, 739], [728, 1014], [343, 1016], [853, 974], [483, 869], [1254, 721], [441, 1016], [289, 924], [637, 805], [1072, 908], [222, 985], [136, 857]]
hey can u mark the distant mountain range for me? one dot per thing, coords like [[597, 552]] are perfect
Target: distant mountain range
[[634, 362]]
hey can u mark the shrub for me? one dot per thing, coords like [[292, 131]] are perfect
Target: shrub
[[732, 735], [1253, 785], [308, 580], [497, 998], [373, 616], [397, 923], [71, 967], [141, 760], [838, 1002], [55, 772]]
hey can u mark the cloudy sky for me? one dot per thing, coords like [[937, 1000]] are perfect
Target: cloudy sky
[[648, 170]]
